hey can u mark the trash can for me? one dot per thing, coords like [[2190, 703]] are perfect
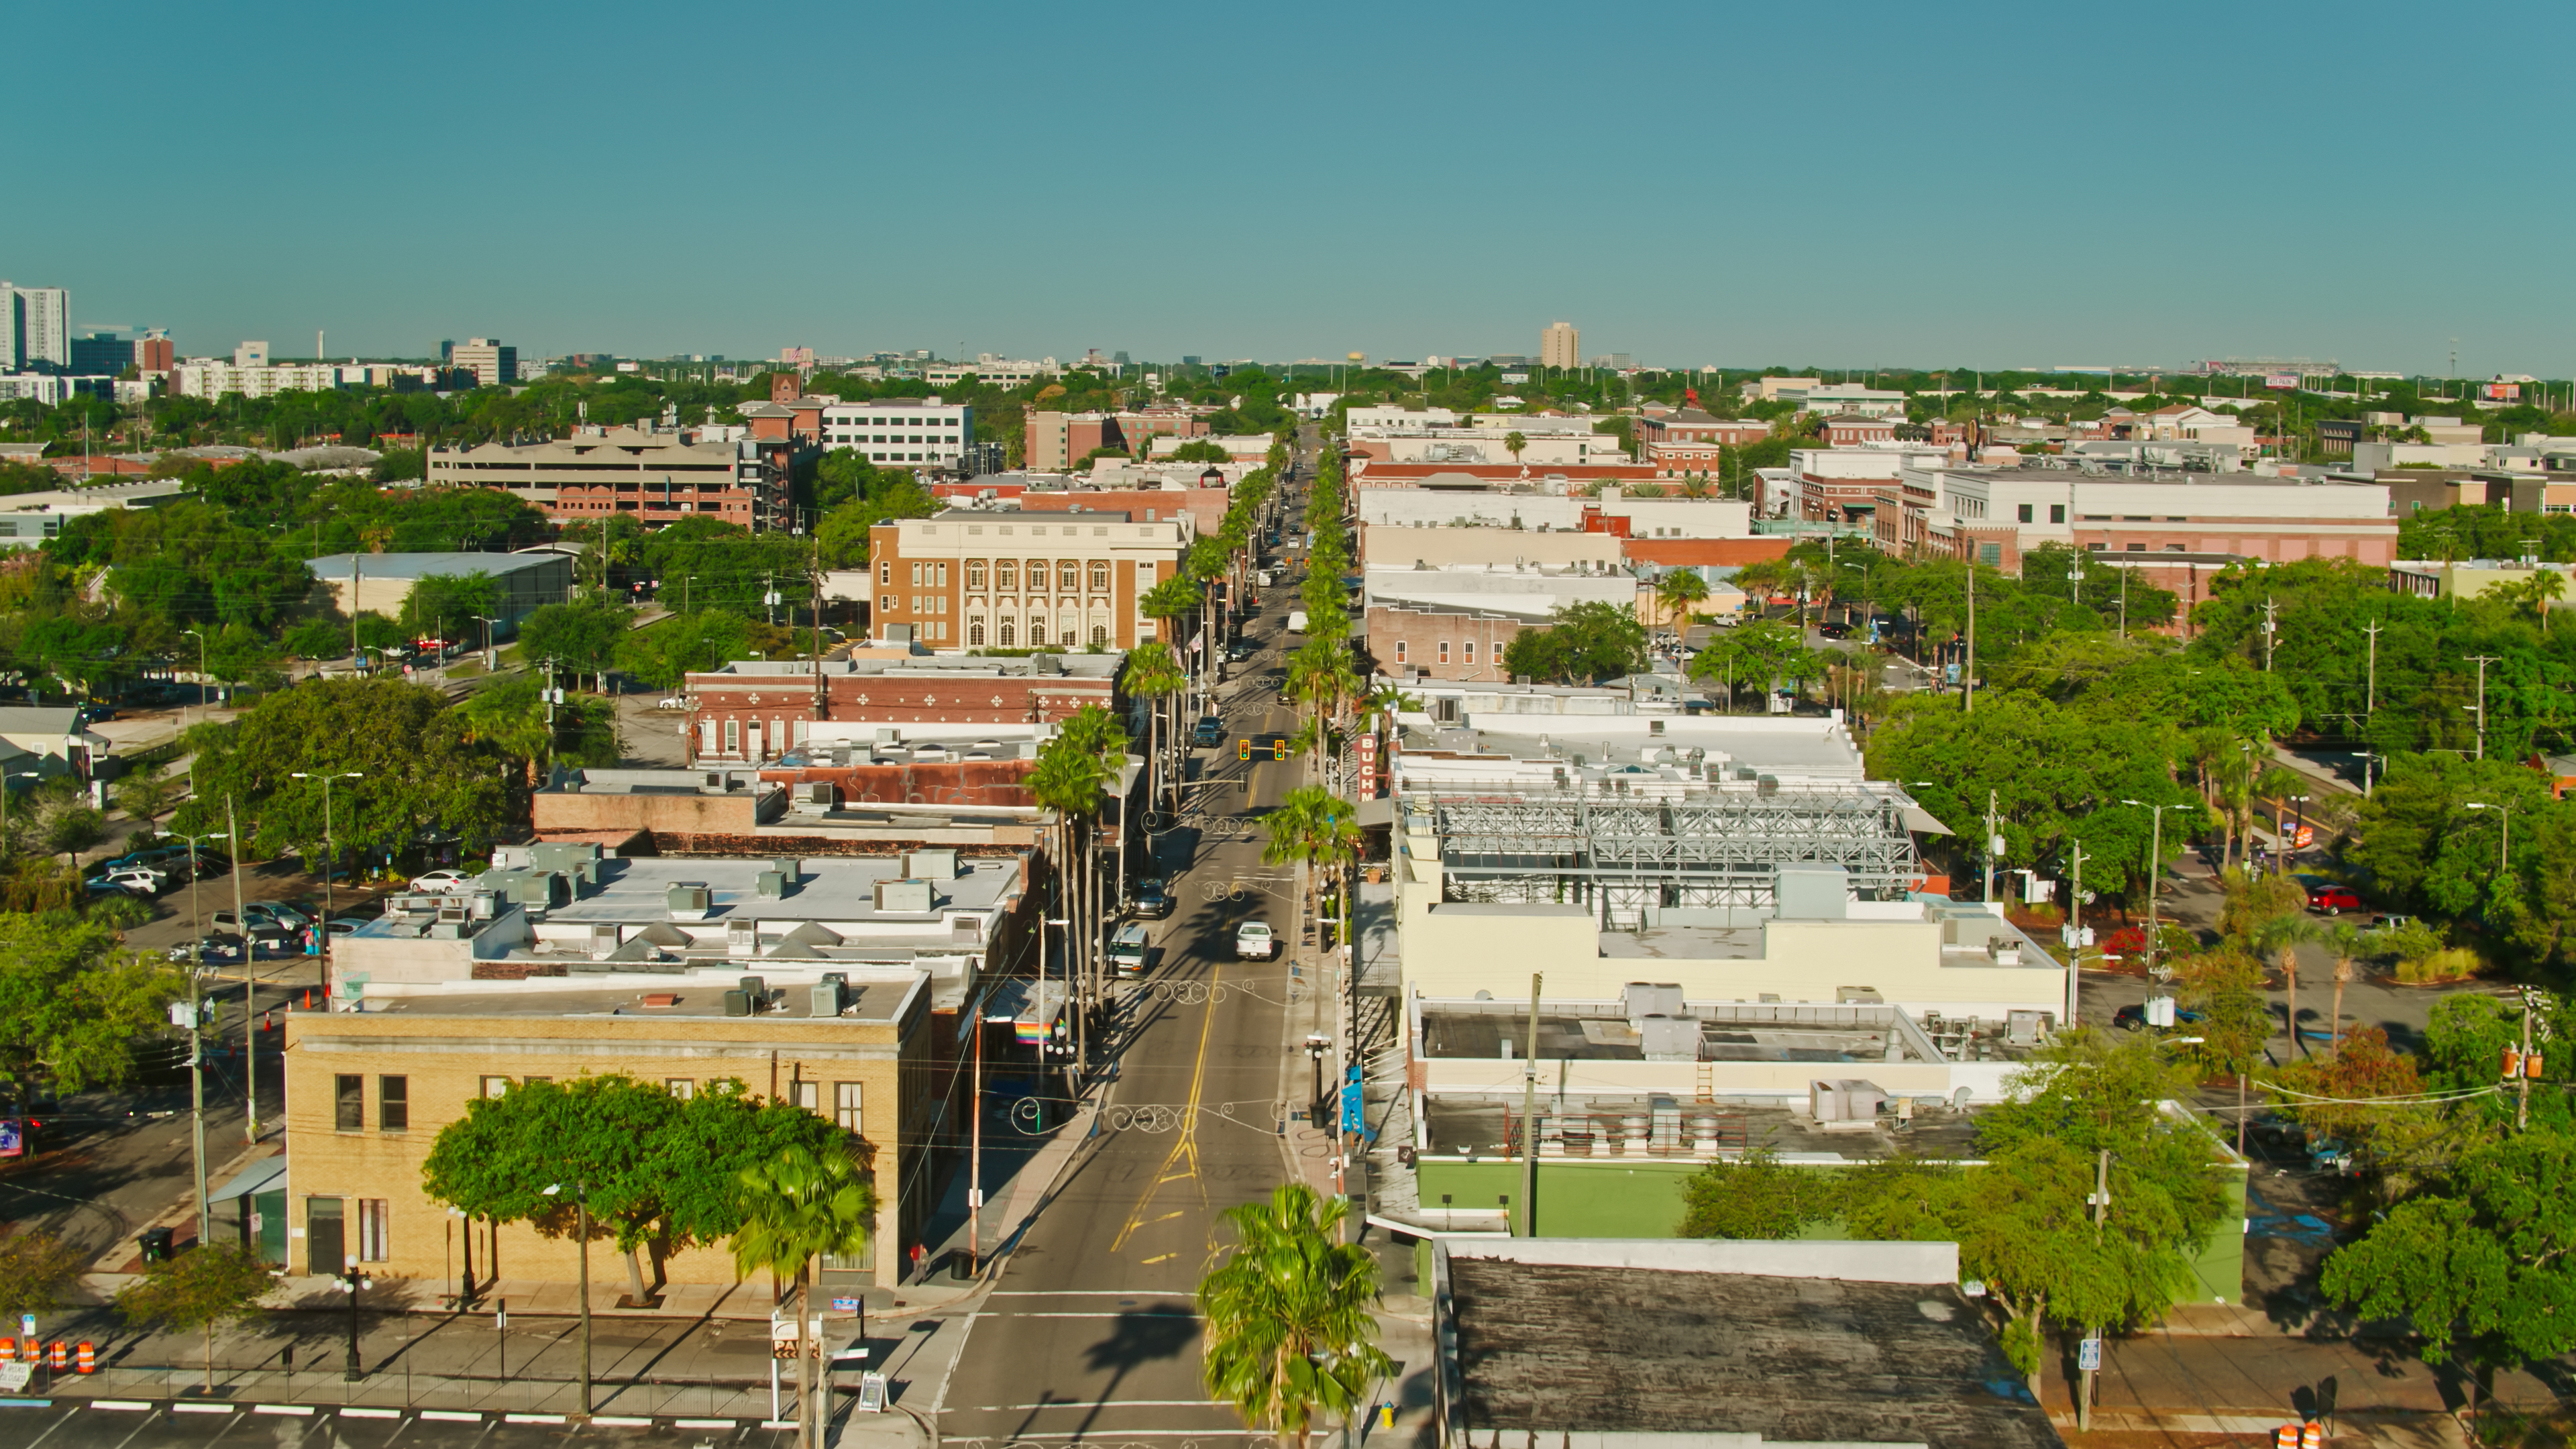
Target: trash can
[[156, 1244]]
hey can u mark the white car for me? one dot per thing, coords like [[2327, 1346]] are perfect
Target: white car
[[1253, 941], [142, 880], [439, 882], [677, 701]]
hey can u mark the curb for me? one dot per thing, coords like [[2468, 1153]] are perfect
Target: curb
[[361, 1411]]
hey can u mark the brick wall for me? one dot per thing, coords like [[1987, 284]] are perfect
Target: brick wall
[[1449, 646]]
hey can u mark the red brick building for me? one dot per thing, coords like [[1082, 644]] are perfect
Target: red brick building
[[754, 710]]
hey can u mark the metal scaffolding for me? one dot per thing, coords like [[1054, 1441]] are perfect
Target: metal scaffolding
[[1696, 848]]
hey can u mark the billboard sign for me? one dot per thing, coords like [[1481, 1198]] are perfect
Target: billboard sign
[[2500, 391], [2283, 380]]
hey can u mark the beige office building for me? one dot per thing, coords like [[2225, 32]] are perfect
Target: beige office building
[[1016, 581], [1561, 345]]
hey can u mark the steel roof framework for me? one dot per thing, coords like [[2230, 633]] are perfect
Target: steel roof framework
[[1708, 848]]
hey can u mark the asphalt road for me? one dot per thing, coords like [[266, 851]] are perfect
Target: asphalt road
[[1091, 1335], [70, 1425]]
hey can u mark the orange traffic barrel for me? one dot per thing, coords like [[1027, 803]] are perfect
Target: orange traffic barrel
[[2312, 1435], [61, 1356], [88, 1357], [2286, 1437]]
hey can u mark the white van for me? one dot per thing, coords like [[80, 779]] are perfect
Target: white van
[[1127, 951], [1296, 621]]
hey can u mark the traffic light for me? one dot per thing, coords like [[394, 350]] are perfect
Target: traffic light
[[1279, 749], [1243, 749]]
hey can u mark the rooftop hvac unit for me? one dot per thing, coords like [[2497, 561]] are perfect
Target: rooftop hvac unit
[[755, 987], [1652, 998], [603, 941], [827, 998], [1669, 1038], [815, 797], [689, 900], [771, 885], [737, 1003], [742, 938], [931, 865], [903, 897]]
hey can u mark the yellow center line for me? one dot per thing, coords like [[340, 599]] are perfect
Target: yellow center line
[[1185, 1143]]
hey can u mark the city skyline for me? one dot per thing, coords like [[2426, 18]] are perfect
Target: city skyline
[[2075, 202]]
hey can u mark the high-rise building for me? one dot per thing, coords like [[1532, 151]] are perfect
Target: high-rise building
[[1560, 346], [492, 364], [154, 352], [101, 354], [35, 329]]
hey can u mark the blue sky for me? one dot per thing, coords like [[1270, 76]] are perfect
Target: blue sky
[[1944, 185]]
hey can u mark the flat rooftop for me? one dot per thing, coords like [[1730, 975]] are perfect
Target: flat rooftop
[[1460, 1125], [1549, 1347], [1602, 1032], [699, 996], [828, 890]]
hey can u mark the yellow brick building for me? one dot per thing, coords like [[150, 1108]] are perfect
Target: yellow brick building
[[367, 1093]]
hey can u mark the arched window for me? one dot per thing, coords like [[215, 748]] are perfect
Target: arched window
[[1010, 634], [1100, 576], [1037, 633], [1100, 635], [975, 634], [1006, 574], [975, 573], [1068, 575]]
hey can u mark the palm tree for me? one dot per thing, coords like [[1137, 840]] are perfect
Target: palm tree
[[1677, 590], [1321, 677], [1154, 674], [2546, 587], [1515, 442], [2280, 938], [1314, 828], [1288, 1327], [795, 1207], [2349, 943], [1074, 771]]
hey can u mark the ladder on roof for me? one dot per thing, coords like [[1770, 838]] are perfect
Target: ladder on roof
[[1708, 1082]]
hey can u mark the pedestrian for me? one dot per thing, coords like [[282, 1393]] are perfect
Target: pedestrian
[[918, 1253]]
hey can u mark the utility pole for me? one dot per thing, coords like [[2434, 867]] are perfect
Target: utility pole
[[2090, 1356], [250, 985], [2522, 1076], [2482, 661], [2370, 699], [2074, 935], [2270, 627], [1994, 845], [1529, 1117], [1968, 665]]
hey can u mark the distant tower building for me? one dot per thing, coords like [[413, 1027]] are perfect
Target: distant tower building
[[1560, 346], [35, 329], [492, 364], [154, 352]]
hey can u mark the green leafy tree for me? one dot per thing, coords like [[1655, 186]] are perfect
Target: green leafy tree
[[1288, 1331], [1316, 830], [1765, 653], [1583, 643], [1757, 1196], [668, 652], [197, 1292], [317, 639], [2478, 1266], [446, 606], [35, 1269], [1199, 450], [796, 1207], [420, 766], [1153, 674], [581, 638]]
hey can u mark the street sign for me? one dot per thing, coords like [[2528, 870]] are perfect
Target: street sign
[[845, 1305], [872, 1393], [14, 1376], [2088, 1355], [26, 1325]]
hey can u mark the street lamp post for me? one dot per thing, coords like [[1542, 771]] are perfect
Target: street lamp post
[[489, 663], [581, 1202], [201, 674], [2504, 848], [329, 854], [350, 1280], [2155, 871], [196, 1033]]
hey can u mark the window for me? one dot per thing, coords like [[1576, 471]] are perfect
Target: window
[[890, 604], [681, 1087], [2175, 548], [393, 1104], [1037, 572], [916, 575], [495, 1086], [1037, 633], [325, 1237], [975, 632], [374, 1215], [1100, 635], [2057, 513], [974, 573], [533, 1081], [845, 1106], [2025, 513], [1399, 651], [806, 1094], [1444, 651], [733, 735], [941, 575], [1006, 574], [1990, 554], [349, 1104], [885, 571], [1010, 633], [1068, 575], [1467, 652], [2137, 548], [1100, 576]]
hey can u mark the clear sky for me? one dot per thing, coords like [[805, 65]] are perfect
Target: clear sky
[[1970, 184]]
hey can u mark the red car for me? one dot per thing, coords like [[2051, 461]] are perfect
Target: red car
[[2334, 900]]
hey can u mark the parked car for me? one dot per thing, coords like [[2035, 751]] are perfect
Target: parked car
[[1241, 650], [2334, 900], [1832, 629], [1209, 732], [102, 887], [143, 880], [676, 701], [439, 882], [1254, 942], [1153, 899]]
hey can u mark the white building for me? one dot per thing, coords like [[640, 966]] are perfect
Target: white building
[[1846, 398], [35, 328], [901, 432], [44, 387], [1314, 407], [250, 354], [210, 378], [999, 371]]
